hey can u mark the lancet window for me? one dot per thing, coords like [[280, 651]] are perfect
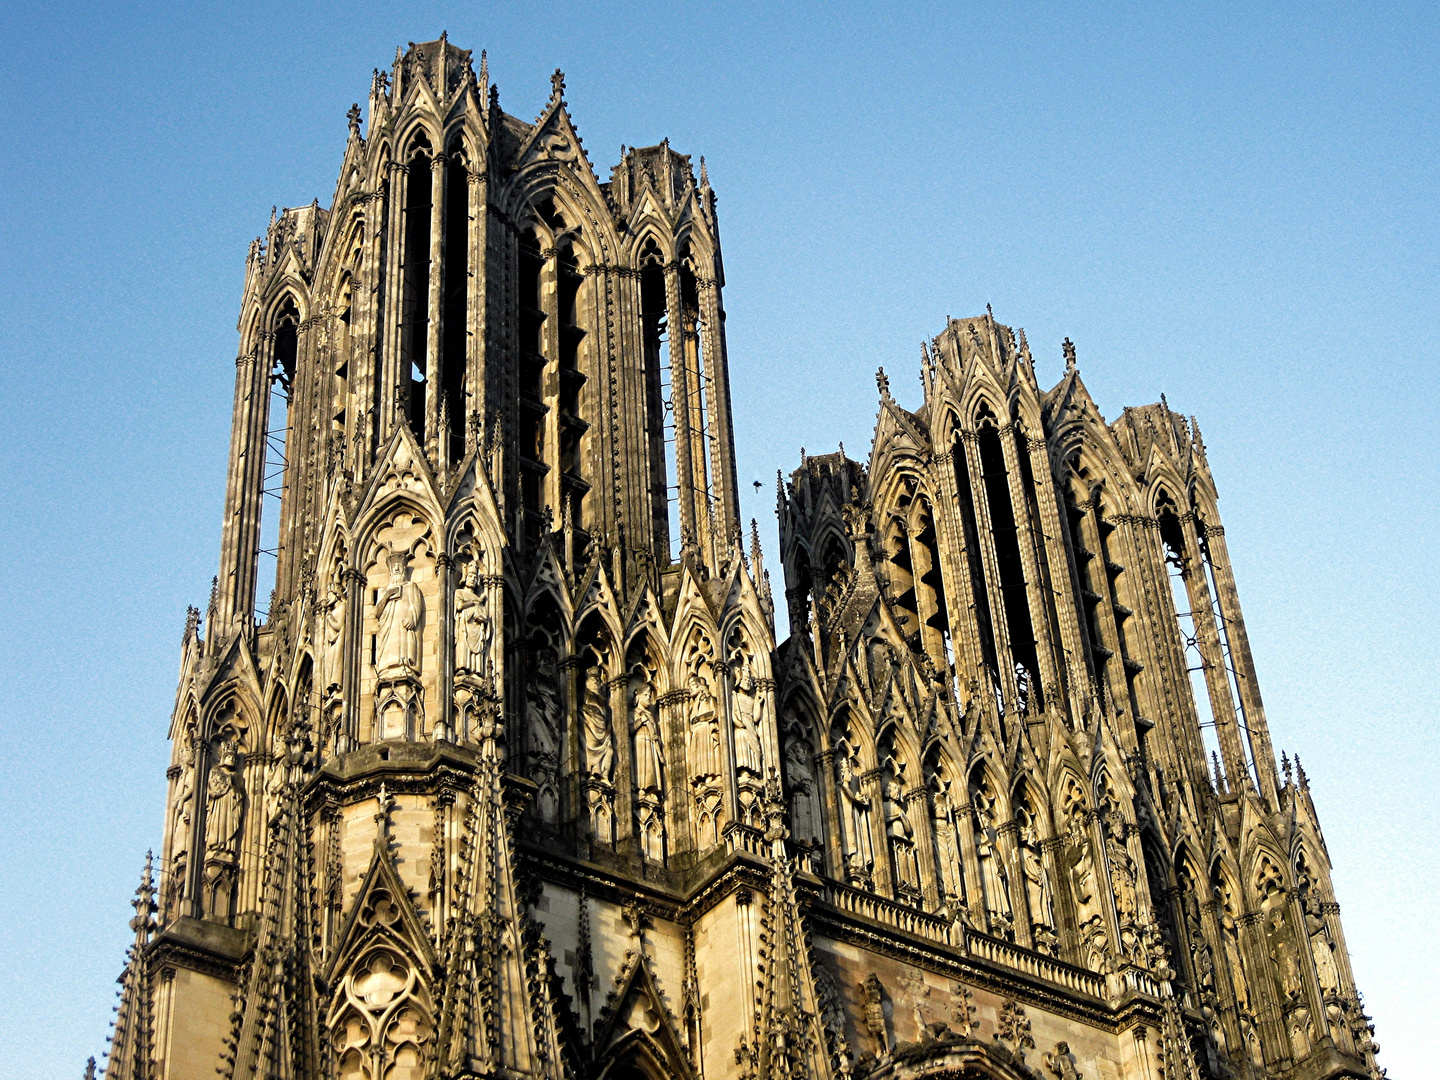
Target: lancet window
[[455, 306], [1010, 565], [284, 340], [531, 370], [659, 411], [985, 625], [415, 287]]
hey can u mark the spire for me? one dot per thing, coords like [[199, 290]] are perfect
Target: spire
[[757, 557], [484, 71], [144, 903]]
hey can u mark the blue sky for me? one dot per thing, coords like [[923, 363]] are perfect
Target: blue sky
[[1236, 207]]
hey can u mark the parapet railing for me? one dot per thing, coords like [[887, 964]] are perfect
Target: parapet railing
[[908, 920]]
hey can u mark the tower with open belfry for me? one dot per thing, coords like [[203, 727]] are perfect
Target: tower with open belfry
[[507, 777]]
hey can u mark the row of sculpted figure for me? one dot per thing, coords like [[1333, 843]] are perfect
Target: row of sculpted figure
[[632, 750]]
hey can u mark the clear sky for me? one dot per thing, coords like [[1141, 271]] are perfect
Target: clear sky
[[1235, 205]]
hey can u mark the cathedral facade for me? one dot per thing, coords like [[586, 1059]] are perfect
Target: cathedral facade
[[509, 777]]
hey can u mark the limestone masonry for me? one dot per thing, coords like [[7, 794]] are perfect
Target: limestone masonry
[[508, 777]]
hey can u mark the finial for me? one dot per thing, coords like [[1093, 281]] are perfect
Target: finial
[[557, 84], [704, 176], [1219, 775], [779, 491], [484, 69], [272, 216], [494, 99], [882, 381], [989, 312], [1165, 404], [755, 537], [354, 117], [90, 1069], [1285, 765], [1069, 347], [1300, 772], [802, 455], [385, 802], [842, 451]]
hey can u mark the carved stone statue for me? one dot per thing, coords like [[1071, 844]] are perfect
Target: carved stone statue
[[1122, 869], [599, 739], [1281, 945], [1080, 864], [872, 996], [992, 870], [855, 821], [1037, 879], [181, 823], [1321, 946], [474, 628], [332, 656], [746, 711], [399, 614], [542, 706], [702, 739], [224, 818], [947, 848], [645, 731], [901, 835], [799, 774]]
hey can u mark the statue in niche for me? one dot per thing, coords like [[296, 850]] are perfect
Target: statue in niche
[[224, 818], [1281, 946], [399, 611], [1037, 879], [645, 731], [1230, 939], [542, 706], [804, 810], [855, 822], [181, 823], [599, 739], [901, 835], [748, 707], [947, 848], [474, 628], [702, 739], [1321, 945], [1080, 865], [333, 631], [872, 996], [992, 870], [649, 774], [1122, 869]]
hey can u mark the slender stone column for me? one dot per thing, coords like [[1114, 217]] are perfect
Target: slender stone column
[[476, 351], [680, 408], [722, 430], [1259, 730], [1217, 682], [240, 532], [389, 335]]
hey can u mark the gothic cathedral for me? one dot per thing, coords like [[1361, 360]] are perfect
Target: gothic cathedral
[[508, 776]]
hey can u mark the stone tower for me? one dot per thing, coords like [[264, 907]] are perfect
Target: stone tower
[[506, 776]]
